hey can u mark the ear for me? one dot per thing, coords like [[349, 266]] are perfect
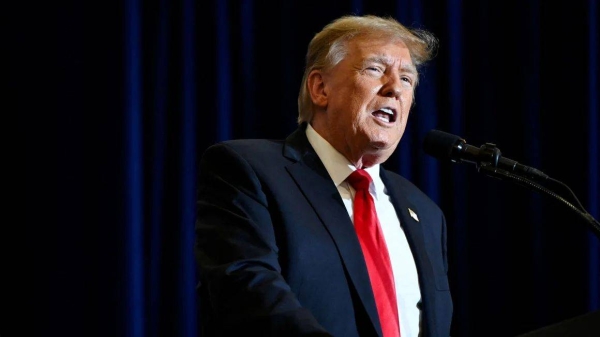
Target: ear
[[316, 88]]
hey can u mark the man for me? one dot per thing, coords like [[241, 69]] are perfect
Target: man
[[280, 249]]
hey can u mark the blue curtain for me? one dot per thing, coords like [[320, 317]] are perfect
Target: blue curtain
[[146, 86]]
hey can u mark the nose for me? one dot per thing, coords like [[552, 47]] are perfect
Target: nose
[[392, 87]]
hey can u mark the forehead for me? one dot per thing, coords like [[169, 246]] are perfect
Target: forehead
[[389, 50]]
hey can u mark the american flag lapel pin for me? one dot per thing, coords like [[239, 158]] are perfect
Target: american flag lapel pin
[[413, 215]]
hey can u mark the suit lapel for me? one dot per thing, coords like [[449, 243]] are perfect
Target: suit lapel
[[414, 234], [312, 178], [412, 227]]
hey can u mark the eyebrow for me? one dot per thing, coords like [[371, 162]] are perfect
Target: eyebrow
[[385, 60]]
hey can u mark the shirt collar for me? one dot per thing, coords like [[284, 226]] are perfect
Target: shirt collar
[[338, 167]]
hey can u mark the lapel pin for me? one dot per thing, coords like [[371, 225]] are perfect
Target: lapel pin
[[413, 215]]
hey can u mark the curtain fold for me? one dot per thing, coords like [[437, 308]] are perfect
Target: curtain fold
[[593, 122]]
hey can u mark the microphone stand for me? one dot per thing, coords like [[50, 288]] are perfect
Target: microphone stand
[[495, 172]]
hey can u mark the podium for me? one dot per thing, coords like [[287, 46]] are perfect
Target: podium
[[586, 325]]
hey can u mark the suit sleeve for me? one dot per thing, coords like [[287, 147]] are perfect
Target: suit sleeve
[[241, 285]]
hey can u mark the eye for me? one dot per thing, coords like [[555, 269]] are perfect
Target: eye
[[407, 79], [375, 69]]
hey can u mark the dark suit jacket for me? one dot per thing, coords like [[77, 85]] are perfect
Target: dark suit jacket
[[277, 252]]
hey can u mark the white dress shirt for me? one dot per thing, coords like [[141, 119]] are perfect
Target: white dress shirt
[[406, 278]]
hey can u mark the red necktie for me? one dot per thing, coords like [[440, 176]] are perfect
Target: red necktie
[[375, 252]]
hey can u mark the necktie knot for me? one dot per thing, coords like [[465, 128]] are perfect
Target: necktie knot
[[360, 180]]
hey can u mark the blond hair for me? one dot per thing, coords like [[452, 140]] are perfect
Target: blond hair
[[328, 48]]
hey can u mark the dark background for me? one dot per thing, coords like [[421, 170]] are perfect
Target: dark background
[[141, 88]]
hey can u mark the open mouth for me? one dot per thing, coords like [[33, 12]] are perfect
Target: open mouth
[[386, 115]]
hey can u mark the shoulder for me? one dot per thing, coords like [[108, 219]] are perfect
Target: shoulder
[[397, 179], [248, 145], [254, 154], [245, 148], [411, 191]]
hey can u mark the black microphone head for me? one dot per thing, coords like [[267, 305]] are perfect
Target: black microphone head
[[439, 144]]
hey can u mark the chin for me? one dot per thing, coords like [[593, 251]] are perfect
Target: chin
[[383, 144], [378, 146], [376, 157], [383, 139], [382, 148]]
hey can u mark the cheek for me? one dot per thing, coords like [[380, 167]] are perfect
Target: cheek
[[407, 101], [407, 97], [402, 124]]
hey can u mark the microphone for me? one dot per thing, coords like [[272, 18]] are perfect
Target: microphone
[[446, 146]]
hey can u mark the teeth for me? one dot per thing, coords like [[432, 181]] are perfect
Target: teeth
[[388, 111], [388, 115]]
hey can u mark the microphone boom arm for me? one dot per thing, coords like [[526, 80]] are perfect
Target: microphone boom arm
[[495, 172], [488, 159]]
